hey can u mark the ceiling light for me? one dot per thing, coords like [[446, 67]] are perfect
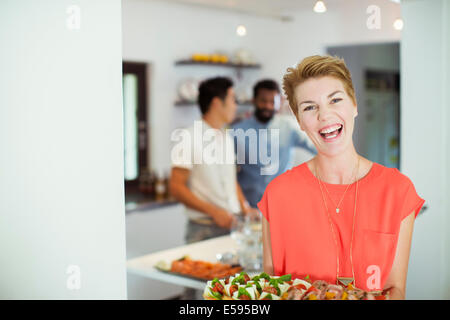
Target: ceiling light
[[320, 7], [241, 31], [398, 24]]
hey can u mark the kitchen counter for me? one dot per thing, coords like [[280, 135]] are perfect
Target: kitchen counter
[[138, 201], [132, 206], [203, 250]]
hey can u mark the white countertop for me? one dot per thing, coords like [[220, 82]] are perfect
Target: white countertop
[[203, 250]]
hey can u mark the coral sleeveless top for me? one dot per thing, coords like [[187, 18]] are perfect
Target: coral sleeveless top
[[301, 236]]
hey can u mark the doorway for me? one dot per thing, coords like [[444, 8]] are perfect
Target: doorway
[[375, 70], [135, 132]]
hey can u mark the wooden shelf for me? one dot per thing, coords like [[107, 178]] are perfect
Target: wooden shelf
[[217, 64]]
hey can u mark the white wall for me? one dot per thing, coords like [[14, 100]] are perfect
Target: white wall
[[61, 164], [161, 33], [425, 141], [445, 263]]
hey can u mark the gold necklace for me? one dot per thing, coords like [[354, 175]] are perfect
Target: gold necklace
[[342, 280], [326, 189]]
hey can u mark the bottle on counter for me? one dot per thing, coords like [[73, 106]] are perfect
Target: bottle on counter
[[143, 180], [151, 183], [147, 182], [169, 196], [160, 186]]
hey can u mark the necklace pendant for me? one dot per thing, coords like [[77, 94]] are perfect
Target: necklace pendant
[[344, 281], [337, 210]]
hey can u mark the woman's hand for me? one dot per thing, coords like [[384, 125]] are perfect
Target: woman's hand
[[396, 294]]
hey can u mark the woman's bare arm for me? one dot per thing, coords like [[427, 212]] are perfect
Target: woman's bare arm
[[396, 282], [267, 248]]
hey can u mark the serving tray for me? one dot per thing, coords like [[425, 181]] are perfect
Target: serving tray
[[164, 267]]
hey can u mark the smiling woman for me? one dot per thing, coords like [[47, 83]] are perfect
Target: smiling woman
[[328, 115], [356, 216]]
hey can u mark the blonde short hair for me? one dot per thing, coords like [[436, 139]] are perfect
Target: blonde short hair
[[316, 67]]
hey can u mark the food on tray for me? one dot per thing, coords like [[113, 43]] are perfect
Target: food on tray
[[243, 287], [264, 287], [203, 269]]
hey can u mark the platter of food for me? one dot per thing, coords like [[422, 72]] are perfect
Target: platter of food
[[198, 269], [264, 287]]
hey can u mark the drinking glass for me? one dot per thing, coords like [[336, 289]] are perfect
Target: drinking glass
[[248, 235]]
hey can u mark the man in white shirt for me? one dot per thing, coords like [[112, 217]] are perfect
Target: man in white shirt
[[204, 174]]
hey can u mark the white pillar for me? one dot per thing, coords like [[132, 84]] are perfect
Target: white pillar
[[62, 217], [425, 140]]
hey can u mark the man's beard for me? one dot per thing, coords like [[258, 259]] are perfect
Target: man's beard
[[264, 115]]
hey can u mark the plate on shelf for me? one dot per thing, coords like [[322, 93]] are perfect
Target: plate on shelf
[[188, 90]]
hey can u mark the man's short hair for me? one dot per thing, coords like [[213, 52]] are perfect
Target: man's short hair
[[267, 84], [211, 88]]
